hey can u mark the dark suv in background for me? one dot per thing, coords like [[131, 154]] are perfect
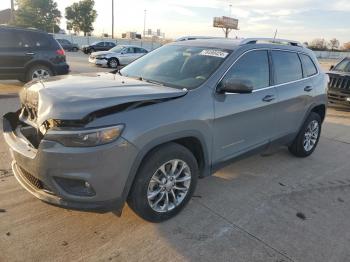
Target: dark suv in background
[[68, 45], [98, 46], [27, 54], [339, 84]]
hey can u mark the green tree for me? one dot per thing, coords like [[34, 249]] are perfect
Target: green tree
[[40, 14], [80, 16]]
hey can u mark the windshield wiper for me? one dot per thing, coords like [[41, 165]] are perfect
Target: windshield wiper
[[152, 82]]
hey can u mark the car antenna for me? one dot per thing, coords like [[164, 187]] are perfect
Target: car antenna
[[274, 37]]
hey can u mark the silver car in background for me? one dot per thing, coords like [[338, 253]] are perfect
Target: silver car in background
[[117, 56]]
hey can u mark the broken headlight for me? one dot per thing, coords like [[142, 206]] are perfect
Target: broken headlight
[[85, 138]]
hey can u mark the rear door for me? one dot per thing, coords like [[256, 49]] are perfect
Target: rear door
[[14, 53], [139, 52], [245, 121], [295, 91]]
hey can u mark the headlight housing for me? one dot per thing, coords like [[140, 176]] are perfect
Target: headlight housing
[[85, 138]]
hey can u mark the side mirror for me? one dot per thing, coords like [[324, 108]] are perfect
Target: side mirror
[[332, 67], [241, 86]]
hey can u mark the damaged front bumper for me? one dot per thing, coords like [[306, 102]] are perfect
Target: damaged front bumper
[[92, 178]]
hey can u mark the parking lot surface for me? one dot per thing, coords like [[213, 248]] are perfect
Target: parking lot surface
[[269, 207]]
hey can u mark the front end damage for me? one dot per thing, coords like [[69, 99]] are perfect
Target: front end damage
[[76, 177]]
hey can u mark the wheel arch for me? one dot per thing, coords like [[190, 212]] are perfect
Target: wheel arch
[[191, 140], [38, 62], [320, 110]]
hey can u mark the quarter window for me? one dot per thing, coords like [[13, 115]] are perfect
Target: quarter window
[[254, 67], [287, 67], [308, 66], [9, 40]]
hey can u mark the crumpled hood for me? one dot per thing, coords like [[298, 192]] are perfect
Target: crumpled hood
[[73, 97]]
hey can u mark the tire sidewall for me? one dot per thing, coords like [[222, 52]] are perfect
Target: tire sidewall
[[312, 117], [139, 201], [109, 65], [34, 68]]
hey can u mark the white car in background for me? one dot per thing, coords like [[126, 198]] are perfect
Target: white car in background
[[117, 56]]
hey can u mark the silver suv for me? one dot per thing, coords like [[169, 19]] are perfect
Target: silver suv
[[147, 133]]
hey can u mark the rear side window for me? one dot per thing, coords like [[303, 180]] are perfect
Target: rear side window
[[308, 66], [287, 67], [34, 40], [254, 67], [9, 39]]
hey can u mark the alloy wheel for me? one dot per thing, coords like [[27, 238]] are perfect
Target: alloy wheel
[[40, 74], [169, 185], [311, 135]]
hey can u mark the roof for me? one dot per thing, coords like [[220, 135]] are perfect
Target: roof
[[22, 28], [232, 44]]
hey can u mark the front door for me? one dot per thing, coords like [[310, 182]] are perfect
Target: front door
[[245, 121]]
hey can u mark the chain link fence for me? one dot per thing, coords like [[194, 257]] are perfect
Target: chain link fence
[[149, 44]]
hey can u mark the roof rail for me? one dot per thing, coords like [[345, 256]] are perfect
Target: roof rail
[[271, 41]]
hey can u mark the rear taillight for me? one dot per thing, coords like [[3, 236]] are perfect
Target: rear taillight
[[60, 52]]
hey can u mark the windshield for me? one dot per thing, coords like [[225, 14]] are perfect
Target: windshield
[[343, 66], [177, 66], [117, 49]]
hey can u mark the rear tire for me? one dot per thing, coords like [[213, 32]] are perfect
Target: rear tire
[[307, 139], [38, 71], [164, 183]]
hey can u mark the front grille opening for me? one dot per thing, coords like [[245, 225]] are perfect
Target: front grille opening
[[37, 183]]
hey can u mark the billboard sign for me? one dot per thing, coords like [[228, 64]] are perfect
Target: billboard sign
[[225, 22]]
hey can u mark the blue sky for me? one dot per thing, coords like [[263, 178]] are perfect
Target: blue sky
[[301, 20]]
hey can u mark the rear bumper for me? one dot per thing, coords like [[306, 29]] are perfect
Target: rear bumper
[[61, 69], [338, 99], [40, 171]]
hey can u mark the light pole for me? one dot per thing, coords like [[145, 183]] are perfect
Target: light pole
[[12, 10], [230, 10], [144, 24], [112, 19]]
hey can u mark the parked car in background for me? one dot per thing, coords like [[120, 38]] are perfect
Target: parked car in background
[[67, 45], [339, 84], [98, 46], [119, 55], [27, 54], [147, 132]]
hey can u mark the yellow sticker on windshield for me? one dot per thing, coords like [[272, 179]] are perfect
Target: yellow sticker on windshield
[[212, 52]]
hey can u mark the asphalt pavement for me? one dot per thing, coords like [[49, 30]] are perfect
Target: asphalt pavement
[[271, 207]]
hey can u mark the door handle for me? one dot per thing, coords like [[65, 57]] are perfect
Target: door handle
[[269, 98], [30, 53], [308, 89]]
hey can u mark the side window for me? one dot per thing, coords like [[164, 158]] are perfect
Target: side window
[[308, 66], [343, 65], [287, 66], [130, 50], [9, 39], [111, 44], [33, 40], [253, 66], [100, 44]]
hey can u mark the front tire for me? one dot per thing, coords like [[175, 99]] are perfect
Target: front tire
[[307, 139], [113, 63], [164, 183]]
